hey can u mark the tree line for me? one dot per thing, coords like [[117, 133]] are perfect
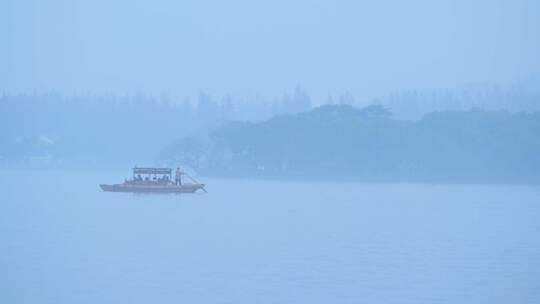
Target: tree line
[[345, 142], [113, 129], [121, 130]]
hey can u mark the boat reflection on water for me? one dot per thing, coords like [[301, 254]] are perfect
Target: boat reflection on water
[[156, 180]]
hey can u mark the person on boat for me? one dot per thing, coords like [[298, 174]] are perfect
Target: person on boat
[[178, 177]]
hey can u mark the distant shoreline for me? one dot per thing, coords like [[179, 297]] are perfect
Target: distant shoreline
[[290, 178]]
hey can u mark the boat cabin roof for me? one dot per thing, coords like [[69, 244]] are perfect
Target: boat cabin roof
[[152, 170]]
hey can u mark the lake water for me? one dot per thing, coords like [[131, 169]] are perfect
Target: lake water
[[62, 240]]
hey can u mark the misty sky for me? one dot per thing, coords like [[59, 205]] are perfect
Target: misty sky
[[368, 48]]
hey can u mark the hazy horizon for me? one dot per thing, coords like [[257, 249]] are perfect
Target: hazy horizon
[[367, 49]]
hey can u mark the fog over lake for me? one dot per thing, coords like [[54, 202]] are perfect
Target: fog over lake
[[333, 151], [244, 48]]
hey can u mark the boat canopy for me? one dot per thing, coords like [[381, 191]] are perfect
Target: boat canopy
[[152, 171]]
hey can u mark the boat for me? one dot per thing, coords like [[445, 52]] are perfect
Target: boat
[[156, 180]]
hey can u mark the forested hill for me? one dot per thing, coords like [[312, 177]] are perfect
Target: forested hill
[[344, 142], [52, 130]]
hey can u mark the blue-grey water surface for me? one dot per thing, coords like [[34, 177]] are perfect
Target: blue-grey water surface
[[62, 240]]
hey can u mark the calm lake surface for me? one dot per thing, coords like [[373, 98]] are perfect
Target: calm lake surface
[[62, 240]]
